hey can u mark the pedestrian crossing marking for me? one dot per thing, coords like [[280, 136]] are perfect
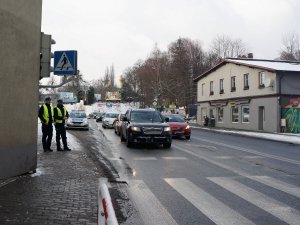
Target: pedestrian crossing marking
[[214, 209], [270, 182], [174, 158], [64, 64], [151, 210], [144, 158], [272, 206], [277, 184]]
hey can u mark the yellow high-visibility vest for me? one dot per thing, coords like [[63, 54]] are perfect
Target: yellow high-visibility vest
[[46, 113], [60, 114]]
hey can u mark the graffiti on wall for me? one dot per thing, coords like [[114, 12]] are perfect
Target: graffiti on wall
[[291, 113]]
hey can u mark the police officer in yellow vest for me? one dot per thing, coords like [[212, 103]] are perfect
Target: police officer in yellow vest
[[46, 116], [60, 115]]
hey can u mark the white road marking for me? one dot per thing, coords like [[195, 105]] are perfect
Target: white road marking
[[174, 158], [269, 182], [297, 162], [151, 210], [251, 157], [277, 184], [272, 206], [214, 209], [144, 158], [224, 157]]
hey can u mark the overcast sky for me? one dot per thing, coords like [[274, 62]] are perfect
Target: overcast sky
[[119, 32]]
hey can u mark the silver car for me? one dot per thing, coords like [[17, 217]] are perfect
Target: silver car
[[77, 119]]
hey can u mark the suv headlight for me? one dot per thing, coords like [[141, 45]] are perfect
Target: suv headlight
[[187, 127], [167, 129], [136, 129]]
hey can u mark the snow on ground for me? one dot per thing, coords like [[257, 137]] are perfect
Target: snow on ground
[[283, 137]]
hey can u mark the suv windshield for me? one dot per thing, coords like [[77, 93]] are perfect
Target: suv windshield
[[146, 117], [77, 115]]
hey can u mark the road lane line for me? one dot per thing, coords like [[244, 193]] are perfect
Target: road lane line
[[144, 158], [297, 162], [151, 210], [272, 206], [174, 158], [276, 184], [214, 209], [224, 157]]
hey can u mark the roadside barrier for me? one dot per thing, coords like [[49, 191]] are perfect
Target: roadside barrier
[[106, 213]]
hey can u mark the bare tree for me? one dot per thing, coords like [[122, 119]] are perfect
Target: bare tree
[[224, 46], [291, 47]]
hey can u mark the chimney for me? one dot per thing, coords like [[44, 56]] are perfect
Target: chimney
[[250, 55]]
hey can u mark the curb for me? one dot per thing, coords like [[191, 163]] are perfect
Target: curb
[[230, 132]]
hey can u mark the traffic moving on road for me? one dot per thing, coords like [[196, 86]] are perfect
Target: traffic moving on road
[[145, 126], [212, 178]]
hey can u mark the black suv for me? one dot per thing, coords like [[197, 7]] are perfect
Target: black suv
[[145, 126]]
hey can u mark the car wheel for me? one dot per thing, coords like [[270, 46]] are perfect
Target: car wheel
[[128, 142], [167, 145], [188, 137]]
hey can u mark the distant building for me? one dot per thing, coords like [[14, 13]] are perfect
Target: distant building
[[251, 94]]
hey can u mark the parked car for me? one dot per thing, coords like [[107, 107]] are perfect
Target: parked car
[[179, 126], [108, 120], [118, 123], [77, 119], [145, 126]]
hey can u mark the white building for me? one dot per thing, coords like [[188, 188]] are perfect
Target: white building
[[250, 94]]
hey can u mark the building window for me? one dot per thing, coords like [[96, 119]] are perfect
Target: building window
[[202, 89], [221, 86], [245, 114], [220, 114], [261, 79], [211, 88], [246, 81], [235, 114], [233, 88]]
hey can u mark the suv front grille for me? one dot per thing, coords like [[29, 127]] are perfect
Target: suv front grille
[[152, 130]]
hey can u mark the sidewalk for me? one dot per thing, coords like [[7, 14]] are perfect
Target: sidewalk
[[63, 191], [280, 137]]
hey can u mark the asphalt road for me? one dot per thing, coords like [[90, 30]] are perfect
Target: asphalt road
[[211, 179]]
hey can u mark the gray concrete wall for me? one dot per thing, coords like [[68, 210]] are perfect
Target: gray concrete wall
[[271, 120], [20, 27]]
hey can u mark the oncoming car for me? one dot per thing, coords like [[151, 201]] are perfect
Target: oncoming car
[[179, 127], [77, 119], [108, 120], [145, 126]]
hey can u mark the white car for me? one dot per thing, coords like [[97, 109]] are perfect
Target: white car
[[77, 119], [108, 120]]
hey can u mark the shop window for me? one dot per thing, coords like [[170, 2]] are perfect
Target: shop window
[[220, 114], [245, 114], [235, 114]]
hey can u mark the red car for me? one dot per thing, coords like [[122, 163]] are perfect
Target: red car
[[179, 127]]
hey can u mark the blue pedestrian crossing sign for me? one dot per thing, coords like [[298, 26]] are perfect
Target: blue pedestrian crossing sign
[[65, 62]]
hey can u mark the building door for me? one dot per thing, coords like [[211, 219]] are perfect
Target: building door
[[261, 117]]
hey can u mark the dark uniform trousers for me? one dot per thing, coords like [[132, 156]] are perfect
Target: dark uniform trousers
[[61, 132], [47, 135]]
